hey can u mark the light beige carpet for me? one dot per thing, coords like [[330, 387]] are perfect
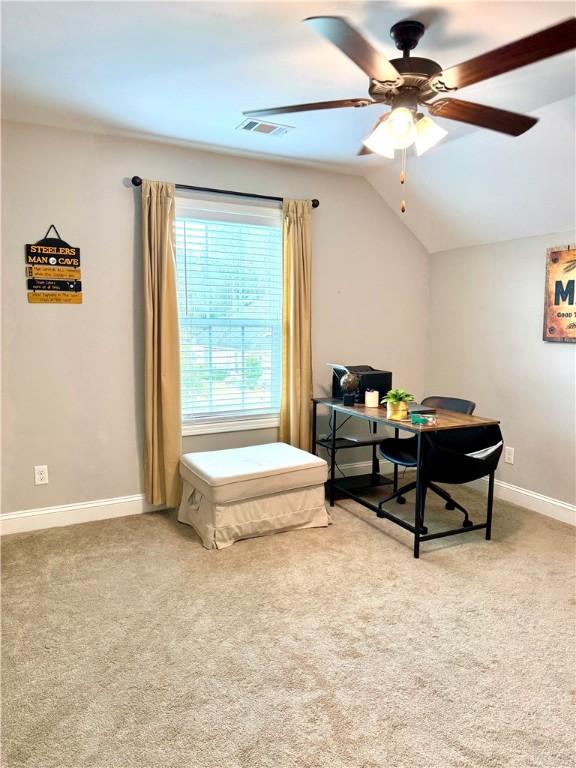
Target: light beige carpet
[[128, 644]]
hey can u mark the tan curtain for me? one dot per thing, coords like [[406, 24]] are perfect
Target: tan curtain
[[295, 409], [163, 429]]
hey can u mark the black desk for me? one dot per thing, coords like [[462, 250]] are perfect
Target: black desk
[[446, 420]]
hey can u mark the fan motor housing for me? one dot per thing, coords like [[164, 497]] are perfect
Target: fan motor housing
[[415, 73], [414, 66]]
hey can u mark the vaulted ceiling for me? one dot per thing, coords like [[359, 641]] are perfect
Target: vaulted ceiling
[[186, 71]]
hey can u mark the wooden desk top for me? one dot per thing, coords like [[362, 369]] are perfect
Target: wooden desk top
[[446, 419]]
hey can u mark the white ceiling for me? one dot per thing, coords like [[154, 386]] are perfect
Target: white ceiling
[[186, 70]]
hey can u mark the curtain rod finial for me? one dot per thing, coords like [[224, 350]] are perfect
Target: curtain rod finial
[[315, 203], [136, 181]]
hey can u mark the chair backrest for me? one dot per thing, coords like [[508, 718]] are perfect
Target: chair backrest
[[446, 454], [450, 404]]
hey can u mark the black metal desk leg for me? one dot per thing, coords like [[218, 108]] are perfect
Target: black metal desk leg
[[375, 461], [333, 457], [396, 431], [489, 508], [419, 496], [314, 426]]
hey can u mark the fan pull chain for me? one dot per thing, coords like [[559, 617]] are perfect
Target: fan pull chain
[[403, 179]]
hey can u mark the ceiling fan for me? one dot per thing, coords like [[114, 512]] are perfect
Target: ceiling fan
[[406, 83]]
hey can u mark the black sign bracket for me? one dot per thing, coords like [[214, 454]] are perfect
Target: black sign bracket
[[52, 226]]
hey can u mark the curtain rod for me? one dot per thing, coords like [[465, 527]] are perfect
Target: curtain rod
[[137, 182]]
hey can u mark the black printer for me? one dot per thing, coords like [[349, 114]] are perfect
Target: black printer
[[369, 378]]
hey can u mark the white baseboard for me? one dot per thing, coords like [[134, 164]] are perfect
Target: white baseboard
[[522, 497], [535, 502], [102, 509], [69, 514]]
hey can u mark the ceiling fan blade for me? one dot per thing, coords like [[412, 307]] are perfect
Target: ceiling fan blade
[[548, 42], [341, 34], [310, 107], [485, 117]]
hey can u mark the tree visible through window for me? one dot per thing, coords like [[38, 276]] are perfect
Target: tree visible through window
[[229, 272]]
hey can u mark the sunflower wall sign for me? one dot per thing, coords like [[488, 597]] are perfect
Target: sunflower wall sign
[[560, 294]]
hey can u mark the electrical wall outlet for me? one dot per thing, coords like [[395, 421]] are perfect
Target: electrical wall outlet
[[509, 455], [41, 475]]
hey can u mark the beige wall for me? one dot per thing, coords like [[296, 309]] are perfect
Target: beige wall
[[72, 375], [485, 343]]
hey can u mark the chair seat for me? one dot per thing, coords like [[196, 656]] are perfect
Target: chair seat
[[399, 451]]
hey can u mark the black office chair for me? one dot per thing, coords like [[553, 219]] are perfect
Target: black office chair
[[449, 458], [402, 452]]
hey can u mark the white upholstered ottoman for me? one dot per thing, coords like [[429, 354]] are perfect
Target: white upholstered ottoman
[[244, 492]]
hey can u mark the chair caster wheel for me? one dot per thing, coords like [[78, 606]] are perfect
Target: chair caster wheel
[[400, 500], [450, 505], [467, 524]]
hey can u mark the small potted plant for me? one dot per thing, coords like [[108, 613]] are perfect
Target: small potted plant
[[397, 404]]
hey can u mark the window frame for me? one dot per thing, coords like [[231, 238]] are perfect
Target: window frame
[[213, 425], [254, 211]]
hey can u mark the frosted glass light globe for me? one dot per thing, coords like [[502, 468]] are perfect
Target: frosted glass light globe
[[379, 141], [400, 128], [428, 134]]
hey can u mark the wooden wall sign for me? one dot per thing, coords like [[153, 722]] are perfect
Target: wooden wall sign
[[53, 271], [560, 294]]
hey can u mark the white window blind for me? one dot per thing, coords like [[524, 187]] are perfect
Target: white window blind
[[229, 274]]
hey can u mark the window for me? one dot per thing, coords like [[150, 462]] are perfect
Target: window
[[229, 276]]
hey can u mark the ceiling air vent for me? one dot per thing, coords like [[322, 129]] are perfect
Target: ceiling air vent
[[258, 126]]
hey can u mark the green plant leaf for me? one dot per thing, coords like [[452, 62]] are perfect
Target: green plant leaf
[[397, 395]]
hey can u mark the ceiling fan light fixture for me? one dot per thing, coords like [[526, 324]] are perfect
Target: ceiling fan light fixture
[[396, 130], [400, 127], [428, 134], [379, 141]]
